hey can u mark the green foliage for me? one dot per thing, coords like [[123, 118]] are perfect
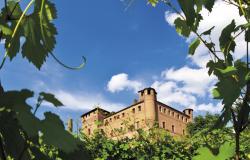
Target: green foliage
[[36, 27], [226, 151], [25, 128], [153, 144], [233, 86]]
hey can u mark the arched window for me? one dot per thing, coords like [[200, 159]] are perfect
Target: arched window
[[163, 125], [173, 128]]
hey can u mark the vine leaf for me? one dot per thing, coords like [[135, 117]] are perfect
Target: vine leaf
[[209, 4], [227, 43], [51, 98], [188, 9], [181, 27]]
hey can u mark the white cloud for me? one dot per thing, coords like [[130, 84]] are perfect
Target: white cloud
[[195, 81], [169, 93], [121, 82], [209, 107], [85, 101]]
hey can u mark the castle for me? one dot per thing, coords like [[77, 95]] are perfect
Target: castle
[[142, 114]]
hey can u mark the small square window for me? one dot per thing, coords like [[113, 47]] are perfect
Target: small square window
[[133, 110], [123, 114]]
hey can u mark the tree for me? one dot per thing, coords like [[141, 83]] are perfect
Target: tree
[[233, 86]]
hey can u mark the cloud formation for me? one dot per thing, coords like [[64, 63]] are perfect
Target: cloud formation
[[120, 82], [80, 101]]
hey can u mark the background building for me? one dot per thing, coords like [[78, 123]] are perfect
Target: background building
[[142, 114]]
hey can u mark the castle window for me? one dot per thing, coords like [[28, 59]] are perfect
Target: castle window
[[115, 117], [118, 117], [110, 119], [178, 116], [137, 125], [172, 113], [163, 125], [89, 131], [160, 108], [182, 118], [133, 110], [148, 91], [106, 122], [139, 108], [169, 112], [173, 128], [123, 114], [186, 119], [164, 110]]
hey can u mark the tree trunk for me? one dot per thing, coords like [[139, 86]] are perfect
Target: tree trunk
[[237, 145]]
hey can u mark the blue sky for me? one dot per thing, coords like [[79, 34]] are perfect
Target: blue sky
[[126, 50]]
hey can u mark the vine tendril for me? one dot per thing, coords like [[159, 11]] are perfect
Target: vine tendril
[[69, 67]]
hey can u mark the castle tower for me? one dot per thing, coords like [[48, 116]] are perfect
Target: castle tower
[[189, 112], [70, 125], [148, 95], [91, 120]]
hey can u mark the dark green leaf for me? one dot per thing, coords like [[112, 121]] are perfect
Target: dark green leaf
[[229, 90], [51, 98], [181, 27], [208, 32], [193, 46], [227, 43], [187, 7], [209, 4]]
